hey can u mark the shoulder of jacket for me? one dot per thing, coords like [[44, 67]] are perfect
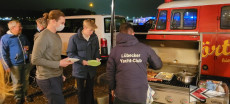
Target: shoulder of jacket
[[142, 45], [94, 37], [6, 36], [75, 36]]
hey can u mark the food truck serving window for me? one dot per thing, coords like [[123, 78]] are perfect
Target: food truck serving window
[[183, 19], [225, 17], [161, 23]]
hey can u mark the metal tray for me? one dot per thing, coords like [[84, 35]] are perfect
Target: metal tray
[[164, 76]]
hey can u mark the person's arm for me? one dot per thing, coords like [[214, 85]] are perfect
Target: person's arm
[[154, 60], [4, 64], [72, 51], [40, 46], [5, 51], [110, 72]]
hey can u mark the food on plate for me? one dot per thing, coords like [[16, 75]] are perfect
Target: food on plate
[[154, 79], [151, 74], [164, 76]]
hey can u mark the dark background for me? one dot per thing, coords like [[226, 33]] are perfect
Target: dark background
[[129, 8]]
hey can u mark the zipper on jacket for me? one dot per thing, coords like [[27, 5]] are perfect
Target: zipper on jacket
[[22, 50]]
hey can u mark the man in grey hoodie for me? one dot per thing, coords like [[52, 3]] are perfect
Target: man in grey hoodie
[[127, 67]]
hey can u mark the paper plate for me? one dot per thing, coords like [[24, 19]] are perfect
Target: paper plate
[[73, 59], [93, 63]]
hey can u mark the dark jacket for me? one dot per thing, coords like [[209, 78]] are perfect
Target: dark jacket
[[127, 68], [13, 49], [82, 49]]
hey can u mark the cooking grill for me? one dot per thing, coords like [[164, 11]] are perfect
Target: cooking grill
[[179, 56], [175, 82], [176, 56]]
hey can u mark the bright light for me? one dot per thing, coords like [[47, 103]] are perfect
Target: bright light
[[91, 4], [6, 18], [142, 20]]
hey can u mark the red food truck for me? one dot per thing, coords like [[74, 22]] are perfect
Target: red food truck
[[192, 35]]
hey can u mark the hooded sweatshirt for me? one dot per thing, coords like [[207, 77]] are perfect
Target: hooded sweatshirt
[[127, 68]]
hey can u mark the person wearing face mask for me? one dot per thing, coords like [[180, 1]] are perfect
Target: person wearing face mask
[[46, 55], [41, 24], [14, 47], [85, 46]]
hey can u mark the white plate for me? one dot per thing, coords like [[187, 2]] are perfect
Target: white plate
[[73, 59]]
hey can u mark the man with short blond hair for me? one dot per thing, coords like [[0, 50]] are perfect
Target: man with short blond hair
[[14, 49], [85, 46]]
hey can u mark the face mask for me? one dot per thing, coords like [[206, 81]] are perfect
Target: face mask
[[60, 28], [38, 29]]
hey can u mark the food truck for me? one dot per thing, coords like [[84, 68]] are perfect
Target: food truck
[[192, 37]]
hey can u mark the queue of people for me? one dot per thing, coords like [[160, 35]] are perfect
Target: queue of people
[[127, 80]]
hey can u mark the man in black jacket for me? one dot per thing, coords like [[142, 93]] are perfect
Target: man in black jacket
[[85, 46], [127, 67]]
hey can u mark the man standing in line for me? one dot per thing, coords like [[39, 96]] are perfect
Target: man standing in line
[[14, 52], [127, 67], [46, 56], [85, 46]]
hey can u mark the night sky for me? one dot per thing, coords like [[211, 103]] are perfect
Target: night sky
[[129, 8]]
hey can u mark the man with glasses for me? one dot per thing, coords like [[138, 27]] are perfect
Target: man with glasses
[[14, 51]]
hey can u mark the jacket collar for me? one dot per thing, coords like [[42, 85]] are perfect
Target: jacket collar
[[80, 35], [126, 40], [11, 34]]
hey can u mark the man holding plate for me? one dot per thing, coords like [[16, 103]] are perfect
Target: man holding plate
[[85, 46]]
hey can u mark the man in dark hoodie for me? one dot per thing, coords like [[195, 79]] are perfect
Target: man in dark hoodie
[[127, 67]]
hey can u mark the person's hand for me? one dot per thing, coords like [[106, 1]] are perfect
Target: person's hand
[[84, 62], [98, 59], [63, 78], [65, 62], [8, 70], [26, 48], [112, 93]]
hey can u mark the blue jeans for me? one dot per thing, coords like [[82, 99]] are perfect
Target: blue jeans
[[20, 78]]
